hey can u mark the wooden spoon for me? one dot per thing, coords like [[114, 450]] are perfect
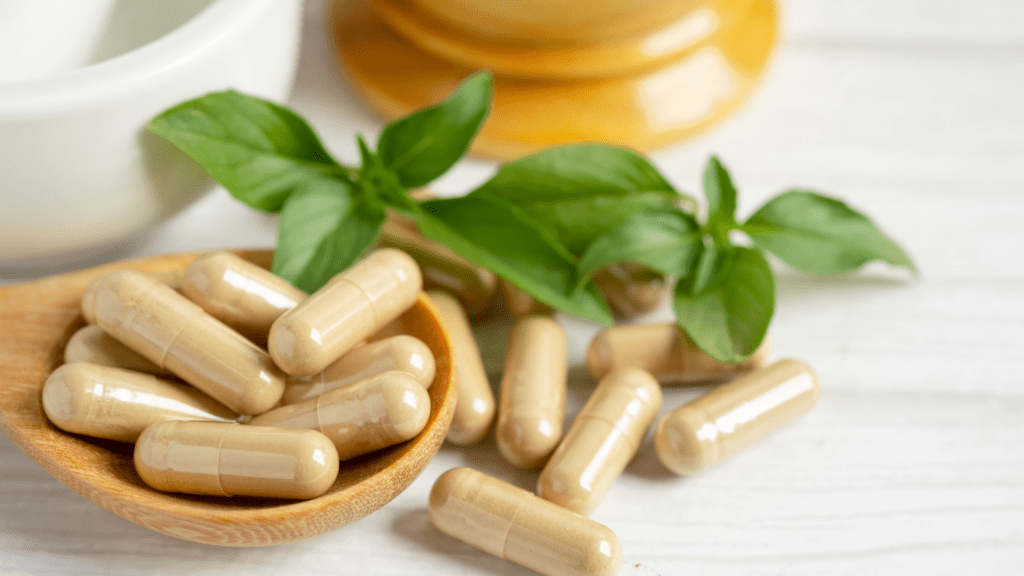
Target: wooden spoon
[[36, 320]]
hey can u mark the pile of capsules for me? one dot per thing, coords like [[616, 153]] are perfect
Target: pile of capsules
[[245, 421], [348, 382]]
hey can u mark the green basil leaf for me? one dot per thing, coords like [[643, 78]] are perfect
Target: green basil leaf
[[581, 191], [425, 144], [821, 235], [721, 195], [705, 270], [380, 182], [664, 241], [729, 317], [499, 237], [367, 157], [259, 151], [323, 229]]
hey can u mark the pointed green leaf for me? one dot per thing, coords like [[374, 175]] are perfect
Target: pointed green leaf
[[499, 237], [324, 228], [423, 145], [821, 235], [581, 191], [728, 317], [721, 195], [666, 241], [259, 151]]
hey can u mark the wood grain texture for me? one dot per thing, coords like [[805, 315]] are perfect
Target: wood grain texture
[[36, 320]]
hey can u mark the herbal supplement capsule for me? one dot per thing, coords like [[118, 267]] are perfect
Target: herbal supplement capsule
[[354, 305], [178, 335], [376, 413], [403, 353], [173, 280], [519, 303], [118, 404], [513, 524], [239, 293], [729, 418], [631, 289], [601, 441], [235, 460], [92, 344], [664, 351], [443, 269], [474, 407], [394, 328], [532, 402]]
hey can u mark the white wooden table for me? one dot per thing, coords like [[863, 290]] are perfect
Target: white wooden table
[[913, 463]]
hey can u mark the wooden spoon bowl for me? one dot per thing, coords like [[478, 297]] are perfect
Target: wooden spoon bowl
[[36, 320]]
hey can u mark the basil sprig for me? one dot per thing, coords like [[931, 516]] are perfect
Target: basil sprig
[[545, 222]]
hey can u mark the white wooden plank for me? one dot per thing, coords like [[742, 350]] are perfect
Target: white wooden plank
[[835, 120], [992, 23]]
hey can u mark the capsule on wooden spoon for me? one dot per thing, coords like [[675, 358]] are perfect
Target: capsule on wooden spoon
[[176, 334], [118, 404]]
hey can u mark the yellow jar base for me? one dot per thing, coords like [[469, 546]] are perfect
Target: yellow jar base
[[663, 101]]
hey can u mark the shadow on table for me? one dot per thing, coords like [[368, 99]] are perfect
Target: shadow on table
[[415, 526], [796, 287]]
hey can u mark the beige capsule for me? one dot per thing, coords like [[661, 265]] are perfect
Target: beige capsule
[[443, 269], [239, 293], [352, 306], [603, 438], [92, 344], [403, 353], [631, 289], [394, 328], [531, 406], [235, 460], [735, 415], [118, 404], [513, 524], [173, 280], [474, 407], [664, 351], [176, 334], [367, 416]]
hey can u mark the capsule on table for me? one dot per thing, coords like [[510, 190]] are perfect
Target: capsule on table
[[474, 285], [365, 417], [239, 293], [403, 353], [631, 289], [352, 306], [664, 351], [176, 334], [226, 459], [92, 344], [118, 404], [603, 438], [696, 436], [531, 407], [474, 407], [520, 304], [515, 525]]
